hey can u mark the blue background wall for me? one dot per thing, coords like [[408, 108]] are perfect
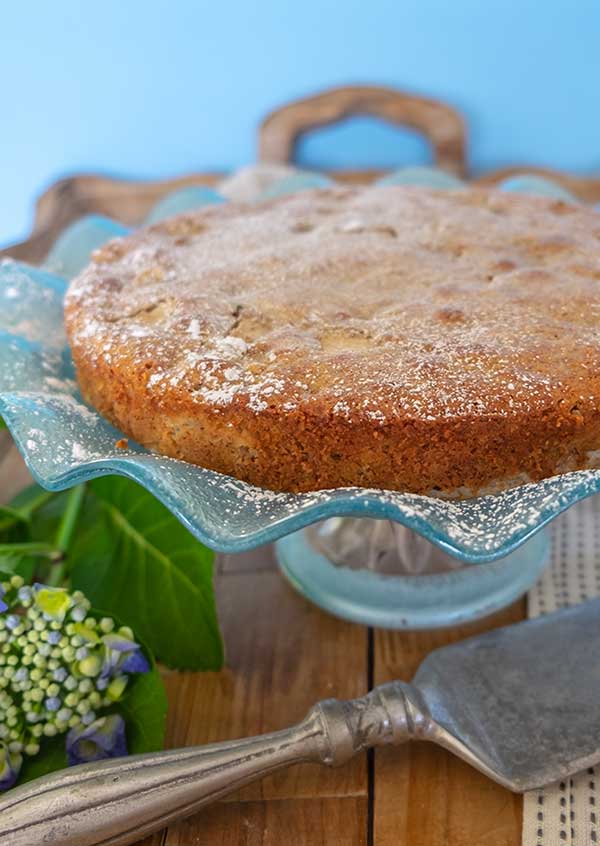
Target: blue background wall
[[150, 88]]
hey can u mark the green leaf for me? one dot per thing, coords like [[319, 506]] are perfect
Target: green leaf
[[14, 529], [2, 424], [20, 556], [144, 709], [10, 517], [32, 498], [27, 548], [43, 512], [25, 567], [134, 558], [20, 565], [70, 515], [52, 756]]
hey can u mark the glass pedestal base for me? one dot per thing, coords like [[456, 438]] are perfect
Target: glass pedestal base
[[408, 585]]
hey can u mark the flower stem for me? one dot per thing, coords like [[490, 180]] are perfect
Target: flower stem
[[33, 504], [64, 534], [45, 550]]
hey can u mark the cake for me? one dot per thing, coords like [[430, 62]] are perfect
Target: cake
[[384, 337]]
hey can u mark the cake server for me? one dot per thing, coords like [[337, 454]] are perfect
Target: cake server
[[521, 704]]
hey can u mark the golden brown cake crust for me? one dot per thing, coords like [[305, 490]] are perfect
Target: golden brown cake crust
[[389, 337]]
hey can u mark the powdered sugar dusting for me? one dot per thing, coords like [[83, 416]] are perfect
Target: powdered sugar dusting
[[66, 440], [62, 437], [381, 308], [453, 348], [194, 329]]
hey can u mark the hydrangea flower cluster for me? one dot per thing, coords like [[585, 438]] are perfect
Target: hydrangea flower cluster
[[59, 666]]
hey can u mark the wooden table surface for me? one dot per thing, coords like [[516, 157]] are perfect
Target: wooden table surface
[[282, 655]]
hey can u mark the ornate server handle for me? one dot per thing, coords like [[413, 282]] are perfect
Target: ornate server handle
[[119, 801]]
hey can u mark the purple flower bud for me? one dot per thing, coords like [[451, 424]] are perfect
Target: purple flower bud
[[53, 703], [118, 651], [54, 638], [3, 605], [119, 643], [136, 662], [10, 766], [104, 738], [12, 621]]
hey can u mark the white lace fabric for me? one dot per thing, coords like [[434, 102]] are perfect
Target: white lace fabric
[[566, 814]]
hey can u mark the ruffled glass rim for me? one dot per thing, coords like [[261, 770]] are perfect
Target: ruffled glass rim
[[64, 442]]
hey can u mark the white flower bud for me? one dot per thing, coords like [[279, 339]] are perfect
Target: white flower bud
[[71, 700]]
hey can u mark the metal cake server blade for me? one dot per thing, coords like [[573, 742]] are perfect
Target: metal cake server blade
[[522, 704]]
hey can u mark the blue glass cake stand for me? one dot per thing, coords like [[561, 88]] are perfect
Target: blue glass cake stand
[[457, 560]]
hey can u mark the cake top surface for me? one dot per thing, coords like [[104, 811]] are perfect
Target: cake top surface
[[365, 303]]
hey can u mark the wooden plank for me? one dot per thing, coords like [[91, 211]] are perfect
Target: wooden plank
[[255, 560], [426, 796], [157, 839], [283, 655], [422, 794], [307, 822]]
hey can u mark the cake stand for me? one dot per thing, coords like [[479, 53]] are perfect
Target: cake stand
[[382, 558]]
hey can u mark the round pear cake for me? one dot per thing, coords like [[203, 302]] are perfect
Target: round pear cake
[[385, 337]]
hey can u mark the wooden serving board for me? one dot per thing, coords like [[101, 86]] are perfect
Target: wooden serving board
[[283, 654], [130, 200]]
